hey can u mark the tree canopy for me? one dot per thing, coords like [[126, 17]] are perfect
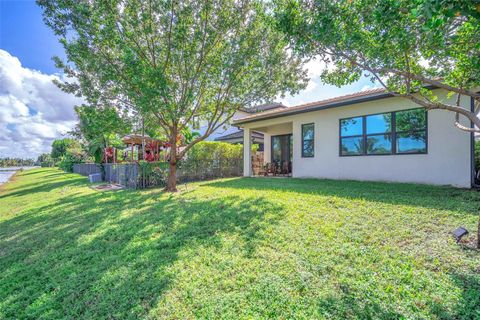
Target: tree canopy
[[61, 146], [409, 47], [16, 162], [45, 160], [173, 60], [100, 128], [95, 123]]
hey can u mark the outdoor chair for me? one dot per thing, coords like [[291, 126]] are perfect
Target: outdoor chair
[[269, 169]]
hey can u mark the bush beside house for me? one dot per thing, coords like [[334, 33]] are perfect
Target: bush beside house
[[216, 150]]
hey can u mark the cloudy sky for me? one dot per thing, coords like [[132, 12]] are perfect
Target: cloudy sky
[[34, 112]]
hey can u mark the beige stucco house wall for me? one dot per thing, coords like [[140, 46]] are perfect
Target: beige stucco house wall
[[447, 161]]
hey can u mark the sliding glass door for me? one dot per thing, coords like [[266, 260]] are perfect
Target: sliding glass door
[[282, 148]]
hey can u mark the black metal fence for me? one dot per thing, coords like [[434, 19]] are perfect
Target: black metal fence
[[125, 174], [154, 174], [207, 169], [86, 169]]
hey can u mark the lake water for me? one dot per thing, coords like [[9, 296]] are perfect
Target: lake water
[[8, 172]]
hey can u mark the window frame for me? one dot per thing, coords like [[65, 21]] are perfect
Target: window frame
[[290, 145], [393, 133], [417, 130], [351, 136], [390, 133], [303, 140]]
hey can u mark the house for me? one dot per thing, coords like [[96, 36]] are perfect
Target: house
[[369, 135], [232, 134]]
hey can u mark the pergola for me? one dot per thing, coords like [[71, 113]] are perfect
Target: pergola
[[148, 144]]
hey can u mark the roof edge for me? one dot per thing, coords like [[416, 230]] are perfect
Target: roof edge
[[350, 99], [286, 112]]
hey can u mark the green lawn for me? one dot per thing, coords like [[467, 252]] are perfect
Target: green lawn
[[236, 249]]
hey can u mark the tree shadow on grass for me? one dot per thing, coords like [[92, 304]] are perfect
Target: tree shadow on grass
[[109, 254], [39, 171], [48, 183], [469, 305], [436, 197], [40, 187], [348, 307], [458, 201], [112, 254]]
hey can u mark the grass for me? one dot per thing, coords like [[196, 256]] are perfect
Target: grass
[[241, 248]]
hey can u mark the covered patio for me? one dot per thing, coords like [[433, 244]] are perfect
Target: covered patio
[[278, 148]]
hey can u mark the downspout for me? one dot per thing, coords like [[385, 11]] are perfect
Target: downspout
[[472, 148]]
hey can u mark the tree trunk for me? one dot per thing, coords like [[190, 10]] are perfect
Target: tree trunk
[[172, 176]]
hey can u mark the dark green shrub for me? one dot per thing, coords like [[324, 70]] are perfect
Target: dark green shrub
[[45, 160], [60, 147], [216, 150], [71, 157]]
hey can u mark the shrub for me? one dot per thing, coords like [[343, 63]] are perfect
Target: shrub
[[217, 150], [60, 147], [205, 160], [71, 157], [153, 173], [45, 160]]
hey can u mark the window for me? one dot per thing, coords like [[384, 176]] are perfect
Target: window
[[379, 133], [308, 140], [411, 131], [281, 148], [352, 139], [400, 132]]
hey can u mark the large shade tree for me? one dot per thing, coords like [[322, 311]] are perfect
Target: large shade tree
[[176, 61], [408, 47]]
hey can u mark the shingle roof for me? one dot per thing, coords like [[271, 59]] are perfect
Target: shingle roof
[[317, 105]]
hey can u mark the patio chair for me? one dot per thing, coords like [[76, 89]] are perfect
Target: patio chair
[[269, 168]]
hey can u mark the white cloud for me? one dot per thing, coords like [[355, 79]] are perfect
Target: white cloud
[[314, 68], [312, 84], [317, 90], [33, 110], [424, 62]]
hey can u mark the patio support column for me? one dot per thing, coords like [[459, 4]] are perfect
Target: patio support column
[[267, 148], [247, 152]]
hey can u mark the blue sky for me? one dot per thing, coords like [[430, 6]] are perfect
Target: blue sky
[[33, 111], [24, 35]]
